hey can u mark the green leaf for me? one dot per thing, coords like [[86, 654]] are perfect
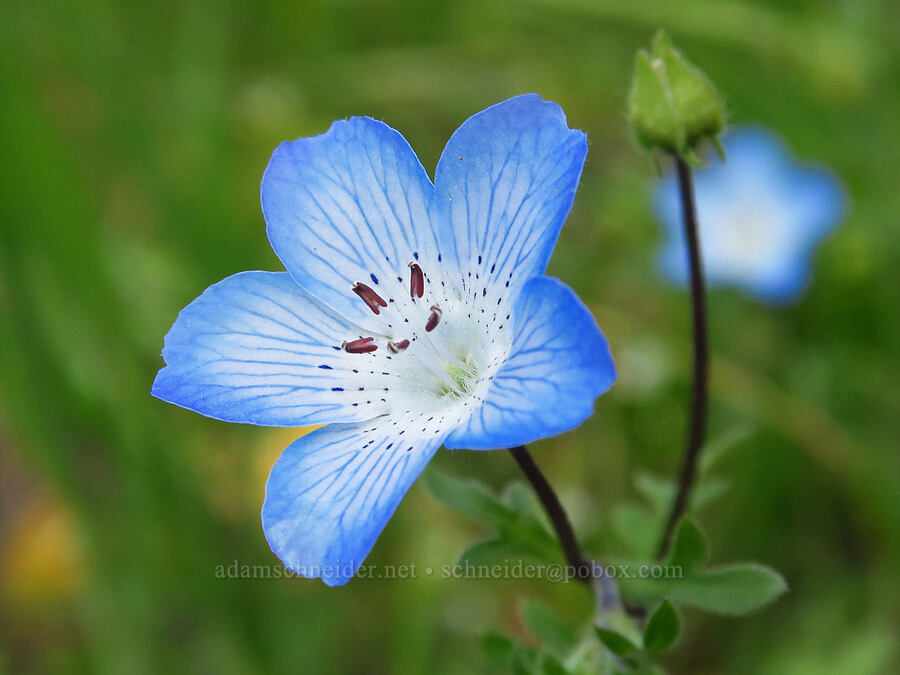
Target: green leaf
[[505, 653], [689, 548], [663, 629], [523, 535], [521, 498], [707, 490], [468, 496], [549, 627], [525, 661], [615, 642], [550, 665], [637, 530], [660, 492], [497, 647], [733, 589], [714, 450], [492, 552]]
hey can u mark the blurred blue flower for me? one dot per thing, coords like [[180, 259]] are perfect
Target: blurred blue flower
[[412, 315], [760, 217]]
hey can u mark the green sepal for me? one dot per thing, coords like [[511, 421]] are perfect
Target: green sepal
[[651, 110], [698, 104]]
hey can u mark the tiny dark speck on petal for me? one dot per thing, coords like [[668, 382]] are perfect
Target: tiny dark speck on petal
[[324, 367], [337, 389], [374, 279]]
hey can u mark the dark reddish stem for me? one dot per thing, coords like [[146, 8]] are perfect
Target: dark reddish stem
[[580, 568], [697, 428]]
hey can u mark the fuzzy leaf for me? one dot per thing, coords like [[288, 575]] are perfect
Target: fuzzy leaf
[[663, 629], [660, 492], [468, 496], [492, 552], [520, 533], [637, 530], [550, 665], [716, 449], [689, 548], [550, 628], [521, 498], [497, 647], [615, 642], [733, 589]]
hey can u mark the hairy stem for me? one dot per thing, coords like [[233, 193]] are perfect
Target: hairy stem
[[697, 428], [580, 568]]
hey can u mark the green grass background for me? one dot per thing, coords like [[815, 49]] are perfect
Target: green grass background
[[132, 140]]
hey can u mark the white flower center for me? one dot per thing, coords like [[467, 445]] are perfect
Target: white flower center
[[441, 345], [746, 237]]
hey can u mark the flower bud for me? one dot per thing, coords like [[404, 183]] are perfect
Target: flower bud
[[672, 105]]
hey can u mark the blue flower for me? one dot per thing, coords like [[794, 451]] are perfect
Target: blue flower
[[760, 217], [411, 315]]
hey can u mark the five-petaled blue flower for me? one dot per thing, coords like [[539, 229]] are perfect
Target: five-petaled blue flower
[[760, 218], [411, 315]]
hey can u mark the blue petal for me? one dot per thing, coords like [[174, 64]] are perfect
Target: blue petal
[[255, 348], [754, 150], [559, 363], [331, 493], [504, 185], [782, 284], [353, 204], [818, 202], [758, 187]]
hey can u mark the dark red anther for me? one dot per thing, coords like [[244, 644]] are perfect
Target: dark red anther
[[370, 297], [361, 346], [416, 281], [397, 347], [433, 319]]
